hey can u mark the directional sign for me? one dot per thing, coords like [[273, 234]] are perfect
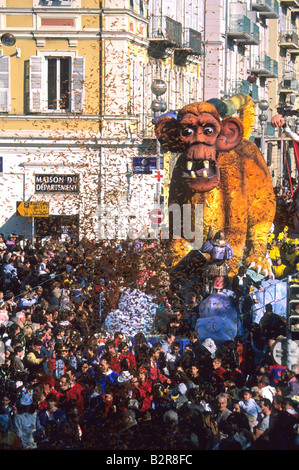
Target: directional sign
[[33, 209]]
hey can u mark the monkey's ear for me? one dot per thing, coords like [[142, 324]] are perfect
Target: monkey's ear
[[167, 130], [230, 135]]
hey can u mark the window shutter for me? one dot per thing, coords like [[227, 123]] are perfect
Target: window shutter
[[78, 70], [4, 84], [35, 84]]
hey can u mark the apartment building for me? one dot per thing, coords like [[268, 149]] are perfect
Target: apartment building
[[50, 82], [284, 47], [81, 81]]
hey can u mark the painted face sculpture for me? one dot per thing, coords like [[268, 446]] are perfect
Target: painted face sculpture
[[199, 134]]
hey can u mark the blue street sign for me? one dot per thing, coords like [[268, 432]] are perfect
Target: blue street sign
[[144, 165]]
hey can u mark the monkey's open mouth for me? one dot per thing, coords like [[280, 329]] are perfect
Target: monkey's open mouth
[[200, 169]]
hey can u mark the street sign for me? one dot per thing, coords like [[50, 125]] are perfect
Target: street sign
[[157, 216], [144, 165], [33, 209]]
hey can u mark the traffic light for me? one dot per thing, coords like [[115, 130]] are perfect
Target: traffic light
[[293, 311]]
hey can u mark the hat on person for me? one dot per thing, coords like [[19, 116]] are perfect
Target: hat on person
[[246, 389], [210, 345], [124, 376], [26, 399]]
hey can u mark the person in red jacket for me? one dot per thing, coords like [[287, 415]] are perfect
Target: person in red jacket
[[217, 368], [154, 369], [114, 356], [74, 393], [145, 390], [126, 354]]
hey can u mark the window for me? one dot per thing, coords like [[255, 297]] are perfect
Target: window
[[49, 3], [4, 84], [56, 84]]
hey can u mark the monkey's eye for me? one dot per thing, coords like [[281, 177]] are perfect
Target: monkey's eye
[[208, 130], [186, 132]]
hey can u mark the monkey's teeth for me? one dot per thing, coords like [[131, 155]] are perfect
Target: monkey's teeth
[[206, 163], [189, 165], [193, 174], [205, 173]]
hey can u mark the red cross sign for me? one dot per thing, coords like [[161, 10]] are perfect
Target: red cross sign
[[159, 175]]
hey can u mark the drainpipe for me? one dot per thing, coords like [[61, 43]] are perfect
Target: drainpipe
[[204, 50], [226, 49]]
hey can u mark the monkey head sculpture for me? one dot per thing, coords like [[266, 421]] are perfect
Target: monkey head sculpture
[[220, 168]]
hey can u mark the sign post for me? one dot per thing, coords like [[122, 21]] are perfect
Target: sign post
[[33, 209]]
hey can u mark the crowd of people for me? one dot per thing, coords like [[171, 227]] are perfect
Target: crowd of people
[[68, 384]]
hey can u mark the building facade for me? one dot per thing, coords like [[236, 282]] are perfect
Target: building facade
[[78, 96]]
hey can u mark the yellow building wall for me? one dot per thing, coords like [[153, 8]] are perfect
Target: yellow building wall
[[19, 21], [88, 49], [18, 3]]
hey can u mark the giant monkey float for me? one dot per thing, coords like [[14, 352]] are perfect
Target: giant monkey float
[[220, 168]]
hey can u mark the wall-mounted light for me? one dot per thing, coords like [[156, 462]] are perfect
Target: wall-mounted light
[[8, 39]]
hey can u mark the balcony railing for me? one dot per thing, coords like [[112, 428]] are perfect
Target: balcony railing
[[243, 86], [289, 3], [289, 40], [193, 40], [289, 85], [192, 46], [243, 30], [165, 28], [266, 8], [270, 130], [264, 66], [164, 33]]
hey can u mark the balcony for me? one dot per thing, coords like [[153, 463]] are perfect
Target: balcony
[[289, 3], [266, 8], [243, 86], [193, 41], [243, 30], [192, 46], [270, 130], [289, 85], [164, 33], [264, 66], [289, 40]]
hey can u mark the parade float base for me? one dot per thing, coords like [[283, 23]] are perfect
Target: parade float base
[[219, 318]]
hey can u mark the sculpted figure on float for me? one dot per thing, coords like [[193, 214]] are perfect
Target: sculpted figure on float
[[221, 169]]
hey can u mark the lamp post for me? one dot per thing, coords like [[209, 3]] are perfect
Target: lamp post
[[158, 106], [263, 118]]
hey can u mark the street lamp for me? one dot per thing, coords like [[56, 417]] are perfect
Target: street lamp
[[158, 105], [9, 40], [263, 118]]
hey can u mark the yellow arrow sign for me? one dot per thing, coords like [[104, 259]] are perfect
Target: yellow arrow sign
[[33, 209]]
